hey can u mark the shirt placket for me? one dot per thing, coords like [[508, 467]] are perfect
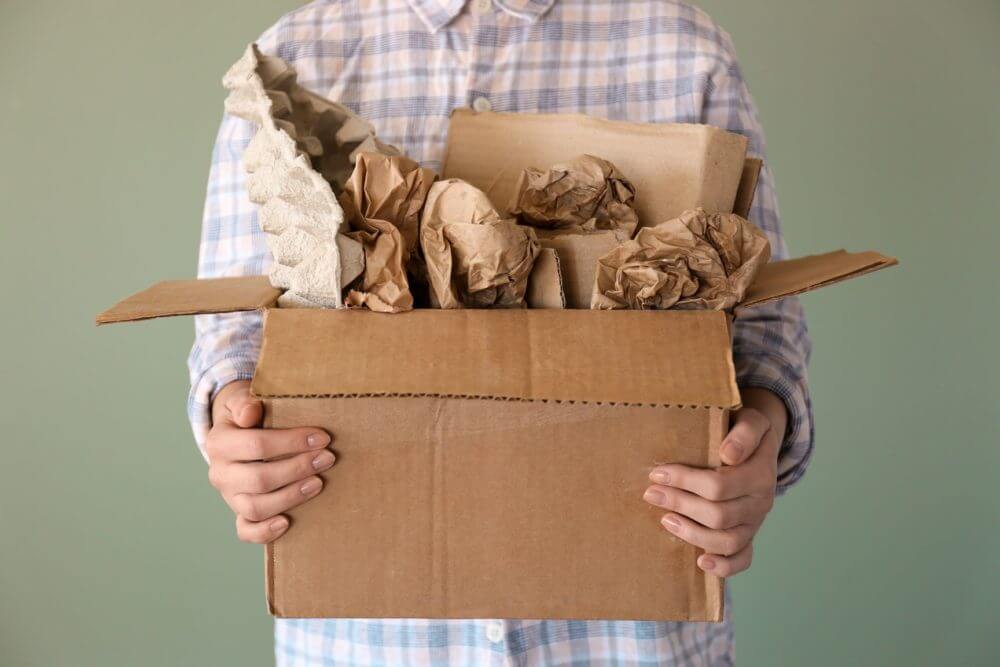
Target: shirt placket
[[482, 55]]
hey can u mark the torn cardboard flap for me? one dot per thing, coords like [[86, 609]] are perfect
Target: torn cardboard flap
[[540, 355], [193, 297]]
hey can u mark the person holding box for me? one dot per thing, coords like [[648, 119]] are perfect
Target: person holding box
[[404, 65]]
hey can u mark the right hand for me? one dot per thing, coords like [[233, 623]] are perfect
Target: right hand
[[261, 472]]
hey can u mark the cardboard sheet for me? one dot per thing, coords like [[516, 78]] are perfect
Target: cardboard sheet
[[476, 258], [674, 167], [191, 297], [459, 508], [556, 355], [578, 255], [696, 261], [586, 193], [545, 284], [748, 186]]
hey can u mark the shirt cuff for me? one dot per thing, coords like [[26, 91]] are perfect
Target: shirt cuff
[[766, 371], [206, 386]]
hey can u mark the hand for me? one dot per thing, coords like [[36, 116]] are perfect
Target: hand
[[261, 472], [720, 510]]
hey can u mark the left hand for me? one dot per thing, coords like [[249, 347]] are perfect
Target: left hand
[[721, 509]]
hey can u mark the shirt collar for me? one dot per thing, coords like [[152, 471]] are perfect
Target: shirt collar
[[437, 13]]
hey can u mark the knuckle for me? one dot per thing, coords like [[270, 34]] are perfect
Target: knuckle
[[729, 543], [215, 476], [251, 510], [716, 517], [260, 482], [715, 486], [256, 448]]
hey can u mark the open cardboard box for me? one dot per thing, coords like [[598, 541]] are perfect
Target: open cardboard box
[[491, 463]]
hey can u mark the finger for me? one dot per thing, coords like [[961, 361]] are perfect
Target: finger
[[263, 506], [723, 542], [260, 532], [715, 515], [243, 409], [268, 476], [236, 444], [727, 566], [723, 483], [745, 434]]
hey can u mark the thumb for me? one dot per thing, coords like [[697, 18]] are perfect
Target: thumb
[[244, 411], [748, 428]]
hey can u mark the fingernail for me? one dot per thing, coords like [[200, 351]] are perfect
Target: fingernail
[[323, 461], [671, 523], [317, 440], [707, 563], [733, 451], [311, 487], [654, 496], [660, 476], [278, 524]]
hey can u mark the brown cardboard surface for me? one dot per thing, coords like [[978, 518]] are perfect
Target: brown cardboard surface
[[804, 274], [545, 284], [747, 187], [680, 358], [190, 297], [578, 255], [459, 508], [674, 166]]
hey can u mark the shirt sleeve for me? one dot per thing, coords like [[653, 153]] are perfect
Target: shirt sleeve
[[771, 344], [226, 346]]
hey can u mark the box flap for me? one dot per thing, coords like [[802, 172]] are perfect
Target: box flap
[[193, 297], [631, 357], [674, 166], [794, 276]]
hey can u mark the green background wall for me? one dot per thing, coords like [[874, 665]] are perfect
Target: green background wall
[[882, 120]]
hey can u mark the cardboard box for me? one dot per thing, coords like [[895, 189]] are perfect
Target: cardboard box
[[491, 463]]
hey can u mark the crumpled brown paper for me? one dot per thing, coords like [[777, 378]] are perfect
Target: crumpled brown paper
[[475, 257], [586, 192], [382, 202], [696, 261]]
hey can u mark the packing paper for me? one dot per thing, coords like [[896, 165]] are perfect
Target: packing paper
[[475, 257], [696, 261]]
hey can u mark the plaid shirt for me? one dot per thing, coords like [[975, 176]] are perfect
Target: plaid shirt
[[404, 66]]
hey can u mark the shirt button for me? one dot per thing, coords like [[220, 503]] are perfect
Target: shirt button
[[494, 631], [482, 104], [483, 6]]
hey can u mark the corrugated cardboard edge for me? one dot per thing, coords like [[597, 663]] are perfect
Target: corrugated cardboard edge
[[804, 274], [545, 284], [747, 187], [171, 298], [715, 587]]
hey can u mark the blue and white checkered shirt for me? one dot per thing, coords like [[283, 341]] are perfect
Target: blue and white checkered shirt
[[404, 65]]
